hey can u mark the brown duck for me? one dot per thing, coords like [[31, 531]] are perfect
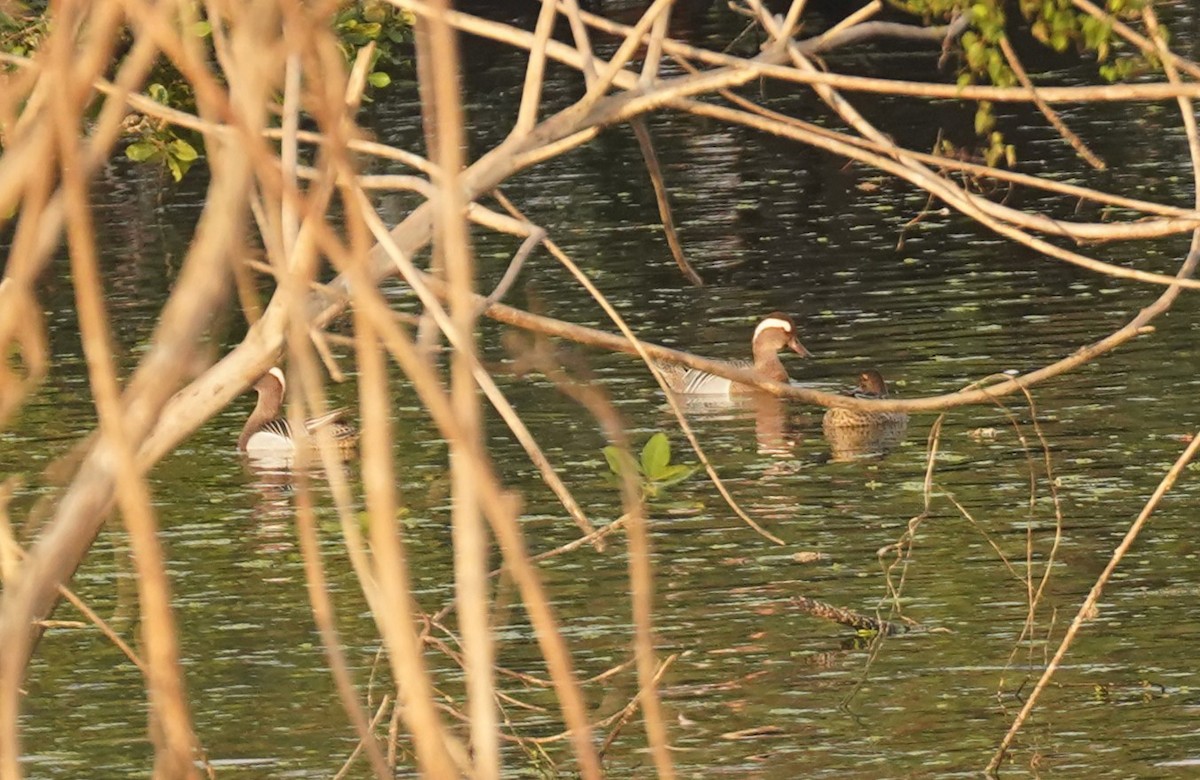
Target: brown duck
[[775, 332], [267, 432], [870, 385]]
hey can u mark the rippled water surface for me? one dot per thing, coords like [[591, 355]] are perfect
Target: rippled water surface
[[757, 689]]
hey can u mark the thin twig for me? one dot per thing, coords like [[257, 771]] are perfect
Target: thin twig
[[531, 94], [366, 741], [1051, 115], [1089, 604], [325, 618], [646, 144]]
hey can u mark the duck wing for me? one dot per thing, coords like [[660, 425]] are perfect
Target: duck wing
[[342, 432], [329, 418], [693, 381]]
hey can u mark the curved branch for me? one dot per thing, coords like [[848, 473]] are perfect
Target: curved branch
[[869, 31]]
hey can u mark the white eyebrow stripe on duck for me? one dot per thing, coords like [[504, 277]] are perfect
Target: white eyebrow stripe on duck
[[773, 322], [275, 372]]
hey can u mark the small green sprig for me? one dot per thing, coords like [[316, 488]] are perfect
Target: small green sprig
[[654, 471]]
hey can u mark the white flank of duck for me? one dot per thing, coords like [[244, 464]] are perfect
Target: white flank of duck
[[267, 432], [776, 331]]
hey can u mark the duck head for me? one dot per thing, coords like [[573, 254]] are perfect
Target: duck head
[[870, 382], [776, 331], [272, 381]]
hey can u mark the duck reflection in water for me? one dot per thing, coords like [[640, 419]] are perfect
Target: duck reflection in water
[[855, 434], [276, 490], [773, 432], [276, 457]]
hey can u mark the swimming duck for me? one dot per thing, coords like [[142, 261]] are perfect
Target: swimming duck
[[267, 432], [870, 385], [852, 434], [774, 332]]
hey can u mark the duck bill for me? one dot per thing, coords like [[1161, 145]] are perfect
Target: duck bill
[[798, 348]]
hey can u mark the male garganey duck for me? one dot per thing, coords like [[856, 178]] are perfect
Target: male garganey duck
[[870, 385], [773, 333], [267, 432]]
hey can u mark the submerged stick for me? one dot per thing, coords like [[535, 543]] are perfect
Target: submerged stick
[[846, 617]]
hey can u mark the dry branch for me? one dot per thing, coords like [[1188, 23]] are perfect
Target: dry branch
[[1088, 606], [262, 49]]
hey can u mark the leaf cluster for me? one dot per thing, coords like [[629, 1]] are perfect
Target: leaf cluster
[[23, 28], [654, 470], [376, 21], [1056, 24], [158, 142]]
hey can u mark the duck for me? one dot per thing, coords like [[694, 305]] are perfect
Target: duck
[[773, 333], [267, 432], [870, 385], [853, 434]]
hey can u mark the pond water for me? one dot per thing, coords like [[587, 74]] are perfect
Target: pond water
[[758, 689]]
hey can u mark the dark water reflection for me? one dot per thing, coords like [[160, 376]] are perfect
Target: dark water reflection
[[759, 690]]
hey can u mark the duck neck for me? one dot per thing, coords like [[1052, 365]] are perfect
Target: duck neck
[[768, 365], [267, 409]]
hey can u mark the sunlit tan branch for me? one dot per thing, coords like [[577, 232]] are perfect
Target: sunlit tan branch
[[671, 398], [640, 568], [583, 44], [1084, 231], [855, 18], [420, 284], [325, 619], [628, 47], [1051, 115], [1088, 606], [452, 243], [531, 94], [380, 711], [653, 59], [500, 507], [769, 68], [642, 699], [171, 727], [792, 21], [1089, 603]]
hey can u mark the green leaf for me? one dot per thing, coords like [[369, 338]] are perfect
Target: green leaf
[[984, 120], [375, 12], [175, 167], [140, 151], [181, 150], [158, 93], [656, 455], [202, 29], [615, 458], [673, 475], [379, 79]]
